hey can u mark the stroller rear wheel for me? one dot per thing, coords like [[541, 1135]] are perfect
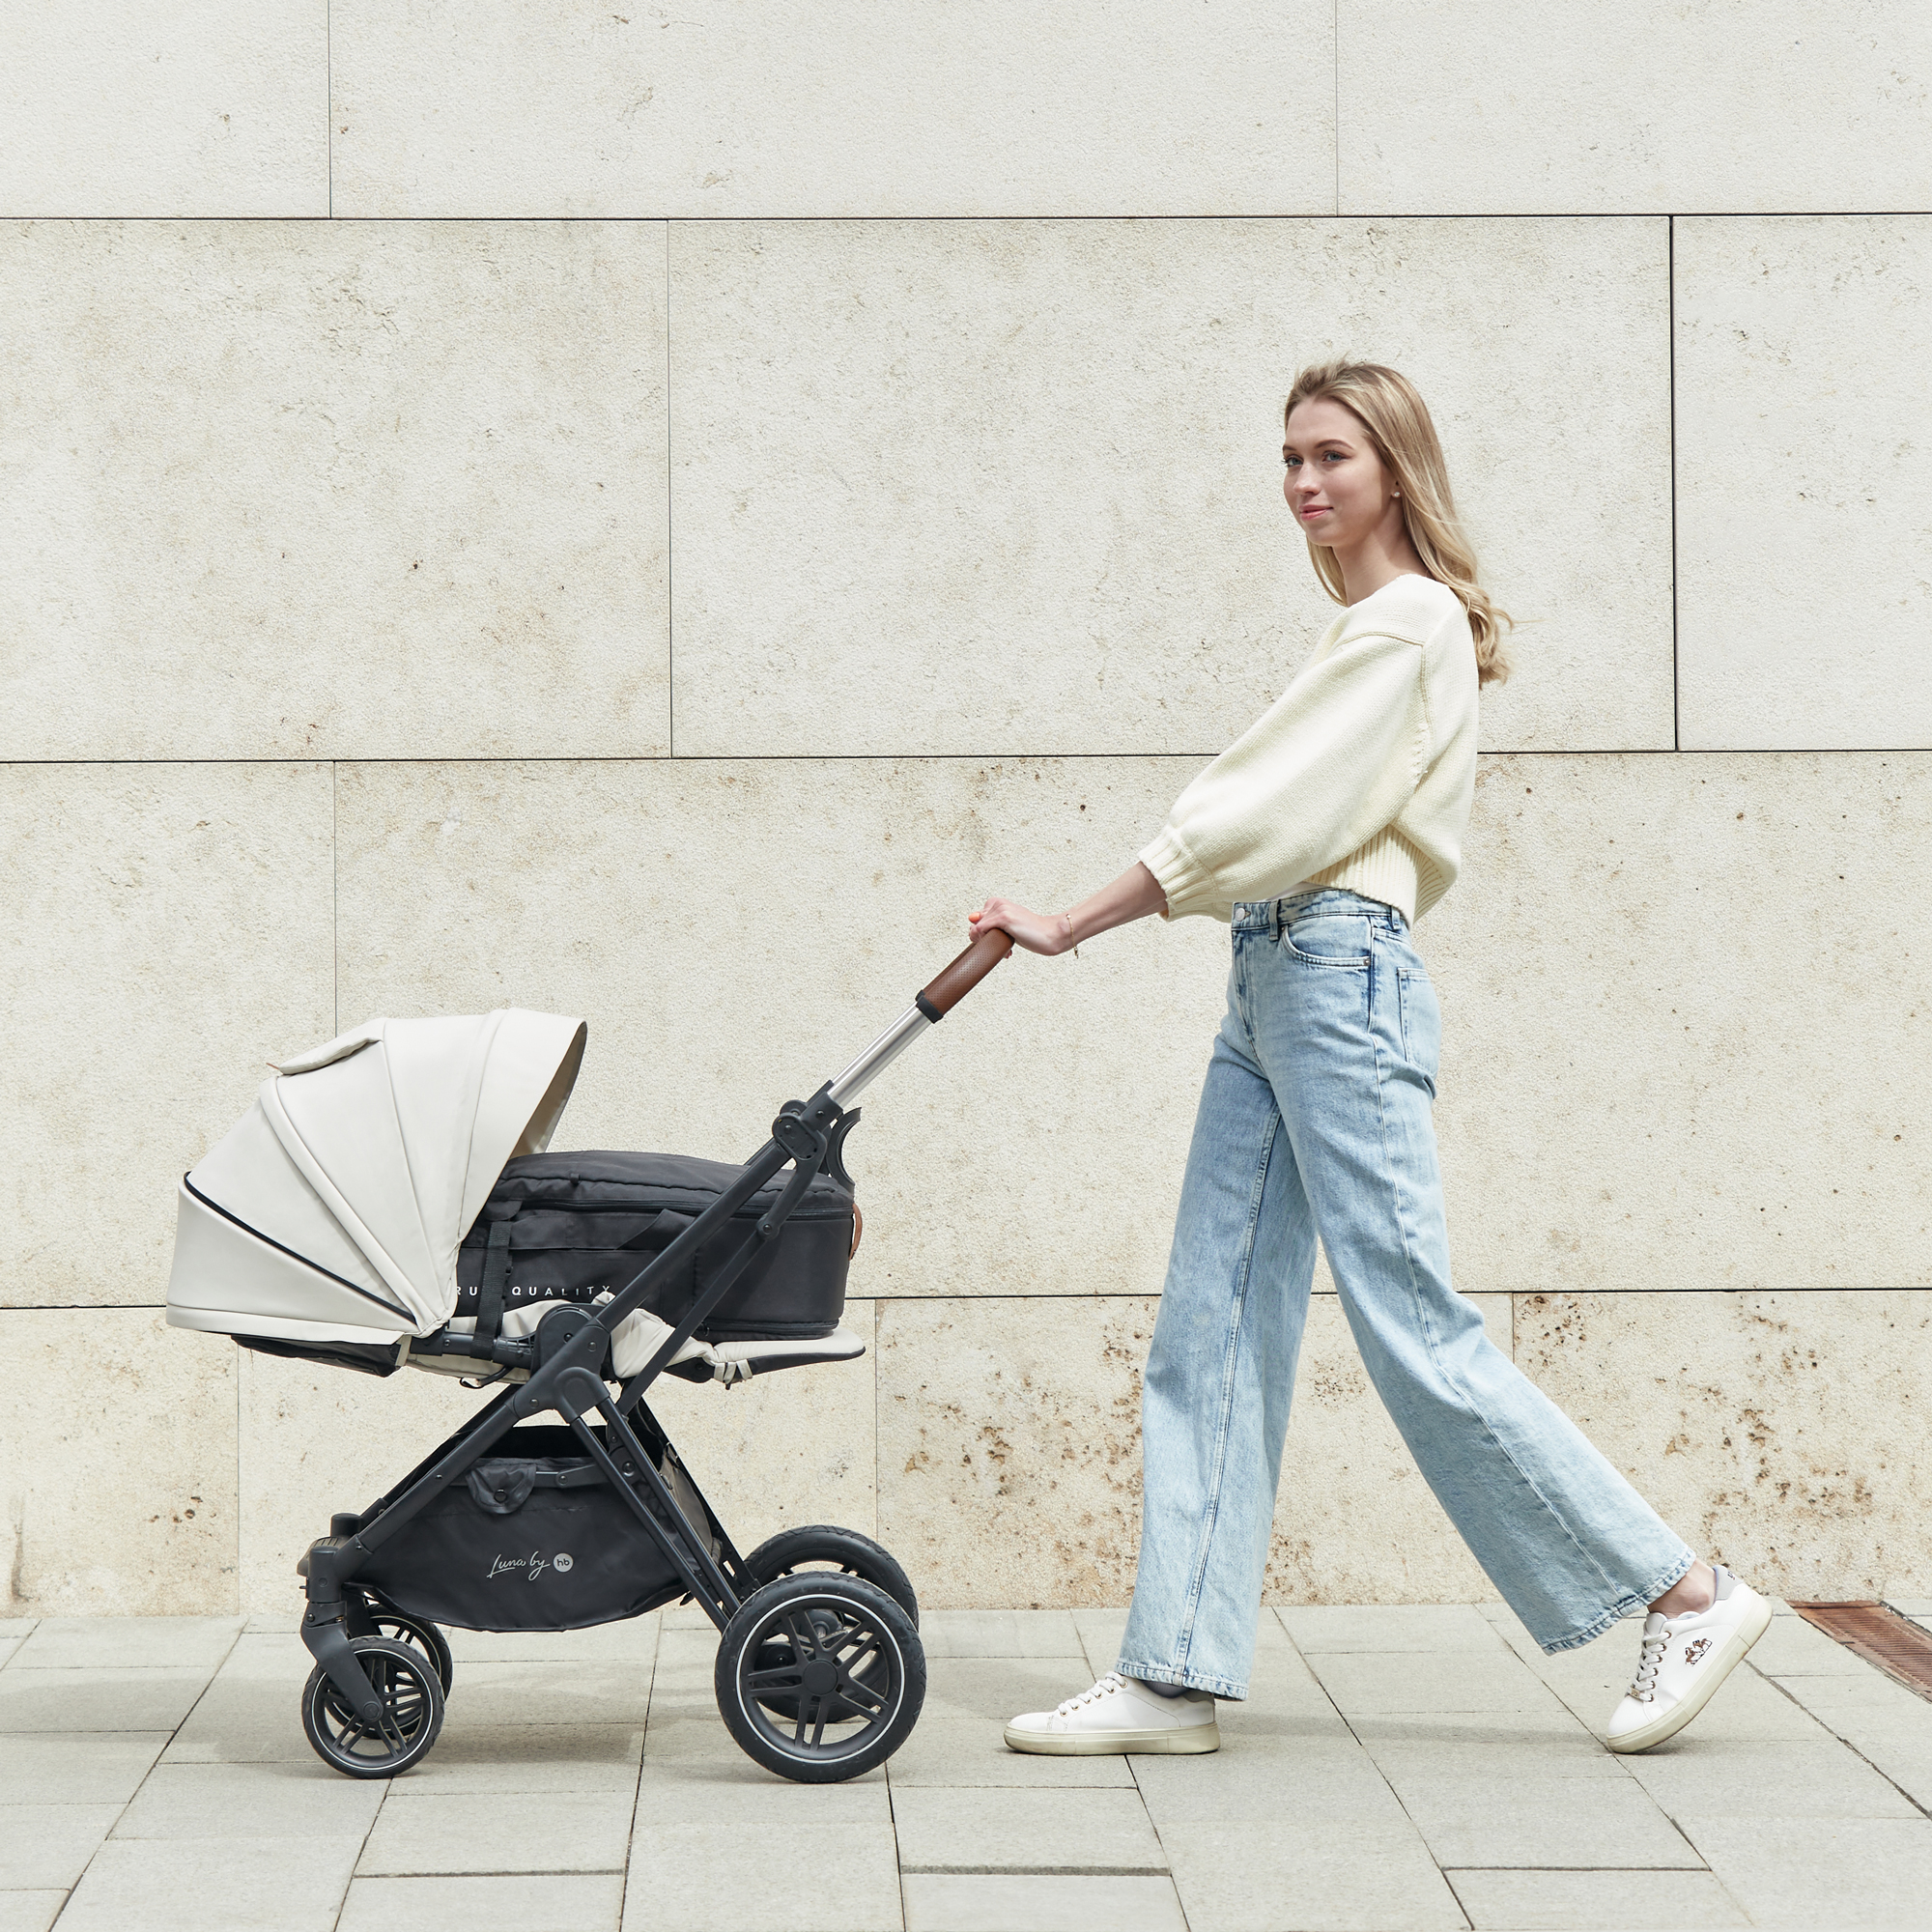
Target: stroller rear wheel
[[412, 1696], [823, 1545], [820, 1678], [369, 1617]]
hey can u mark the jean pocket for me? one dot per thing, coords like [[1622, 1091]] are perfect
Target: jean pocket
[[1421, 1021], [1328, 939]]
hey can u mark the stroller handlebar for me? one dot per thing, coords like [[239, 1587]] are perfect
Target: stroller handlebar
[[928, 1007], [964, 973]]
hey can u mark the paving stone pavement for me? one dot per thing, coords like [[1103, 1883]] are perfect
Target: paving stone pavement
[[1394, 1767]]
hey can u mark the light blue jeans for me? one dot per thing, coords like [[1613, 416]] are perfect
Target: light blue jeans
[[1315, 1121]]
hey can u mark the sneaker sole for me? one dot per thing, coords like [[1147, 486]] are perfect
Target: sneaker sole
[[1118, 1743], [1726, 1660]]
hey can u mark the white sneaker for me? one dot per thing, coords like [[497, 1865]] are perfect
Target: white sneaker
[[1683, 1662], [1119, 1714]]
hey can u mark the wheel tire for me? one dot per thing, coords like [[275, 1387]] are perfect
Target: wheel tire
[[823, 1545], [372, 1618], [412, 1696], [852, 1661]]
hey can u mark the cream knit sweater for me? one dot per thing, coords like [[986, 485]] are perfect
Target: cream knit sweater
[[1358, 776]]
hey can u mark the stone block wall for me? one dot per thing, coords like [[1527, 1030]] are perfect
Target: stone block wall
[[653, 515]]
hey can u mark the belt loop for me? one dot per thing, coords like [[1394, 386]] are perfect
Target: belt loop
[[1274, 919]]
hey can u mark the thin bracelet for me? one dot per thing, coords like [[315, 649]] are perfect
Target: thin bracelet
[[1066, 920]]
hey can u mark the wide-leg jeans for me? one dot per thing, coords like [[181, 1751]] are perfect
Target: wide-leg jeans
[[1315, 1123]]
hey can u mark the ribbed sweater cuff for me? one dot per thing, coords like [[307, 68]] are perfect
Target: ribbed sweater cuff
[[1184, 882]]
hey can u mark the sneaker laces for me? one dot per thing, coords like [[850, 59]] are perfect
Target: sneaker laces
[[1643, 1687], [1104, 1688]]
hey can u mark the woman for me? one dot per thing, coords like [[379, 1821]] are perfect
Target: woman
[[1319, 836]]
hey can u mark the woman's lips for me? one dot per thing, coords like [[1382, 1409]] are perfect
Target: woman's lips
[[1319, 510]]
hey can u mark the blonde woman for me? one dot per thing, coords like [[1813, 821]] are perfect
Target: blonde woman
[[1321, 834]]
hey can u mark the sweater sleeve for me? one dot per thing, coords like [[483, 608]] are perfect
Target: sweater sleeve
[[1332, 761]]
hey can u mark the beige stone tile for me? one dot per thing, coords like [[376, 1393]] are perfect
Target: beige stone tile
[[1650, 106], [1010, 1460], [129, 110], [1443, 1682], [1511, 1821], [1040, 508], [1631, 989], [1673, 1056], [1276, 1876], [1775, 1431], [169, 931], [1009, 1450], [480, 1761], [1387, 1627], [251, 1712], [118, 1480], [1039, 1902], [555, 1902], [838, 1878], [315, 1440], [334, 489], [30, 1911], [711, 1000], [438, 1833], [253, 1800], [1748, 1778], [76, 1768], [1019, 1830], [934, 111], [991, 1690], [703, 1779], [1795, 440], [957, 1754], [782, 1450], [1323, 1781], [1593, 1901], [86, 1643], [296, 1885], [1000, 1634], [1355, 1521], [48, 1845], [1839, 1872]]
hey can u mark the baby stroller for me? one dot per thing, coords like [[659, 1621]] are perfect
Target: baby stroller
[[387, 1203]]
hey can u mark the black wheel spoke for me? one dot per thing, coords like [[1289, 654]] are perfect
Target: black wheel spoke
[[791, 1677], [856, 1691], [818, 1729]]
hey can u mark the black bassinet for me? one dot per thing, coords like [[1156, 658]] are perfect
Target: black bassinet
[[576, 1223]]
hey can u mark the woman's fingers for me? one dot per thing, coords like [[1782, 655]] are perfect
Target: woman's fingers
[[1036, 932]]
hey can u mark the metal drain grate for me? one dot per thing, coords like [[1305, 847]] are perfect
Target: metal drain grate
[[1901, 1648]]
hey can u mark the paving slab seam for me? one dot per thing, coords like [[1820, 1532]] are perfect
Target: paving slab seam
[[1826, 1724], [638, 1784], [1035, 1871]]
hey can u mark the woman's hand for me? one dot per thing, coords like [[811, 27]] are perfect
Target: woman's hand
[[1134, 894], [1041, 932]]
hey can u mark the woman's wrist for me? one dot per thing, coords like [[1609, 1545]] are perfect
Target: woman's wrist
[[1067, 931]]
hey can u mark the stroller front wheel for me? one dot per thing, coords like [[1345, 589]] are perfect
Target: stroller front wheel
[[820, 1678], [368, 1617], [412, 1716]]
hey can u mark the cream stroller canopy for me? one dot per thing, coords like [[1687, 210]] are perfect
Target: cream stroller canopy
[[333, 1211]]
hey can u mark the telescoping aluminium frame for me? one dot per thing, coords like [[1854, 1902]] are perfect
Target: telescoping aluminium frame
[[567, 1354]]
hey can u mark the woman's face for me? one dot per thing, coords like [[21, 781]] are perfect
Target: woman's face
[[1336, 483]]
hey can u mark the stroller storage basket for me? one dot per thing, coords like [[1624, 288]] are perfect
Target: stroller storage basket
[[581, 1223], [533, 1539]]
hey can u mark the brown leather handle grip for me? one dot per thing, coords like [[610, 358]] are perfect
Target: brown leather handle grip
[[967, 971]]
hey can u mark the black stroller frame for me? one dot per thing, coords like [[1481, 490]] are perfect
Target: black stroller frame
[[801, 1653]]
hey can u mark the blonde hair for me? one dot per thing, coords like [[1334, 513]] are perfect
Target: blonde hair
[[1398, 422]]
